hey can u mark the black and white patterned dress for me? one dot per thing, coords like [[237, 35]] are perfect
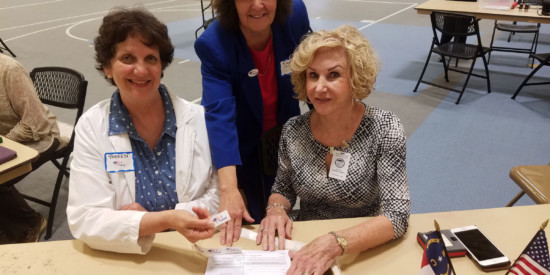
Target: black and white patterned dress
[[376, 182]]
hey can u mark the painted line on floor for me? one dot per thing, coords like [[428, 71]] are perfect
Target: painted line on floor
[[386, 17], [77, 16], [68, 30], [33, 4]]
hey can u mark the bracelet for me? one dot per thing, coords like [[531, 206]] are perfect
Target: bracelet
[[277, 205]]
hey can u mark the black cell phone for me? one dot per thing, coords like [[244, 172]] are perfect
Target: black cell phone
[[479, 247]]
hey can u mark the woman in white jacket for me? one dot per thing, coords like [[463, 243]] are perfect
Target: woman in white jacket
[[141, 161]]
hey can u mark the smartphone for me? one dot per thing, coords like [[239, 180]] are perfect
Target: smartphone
[[479, 247]]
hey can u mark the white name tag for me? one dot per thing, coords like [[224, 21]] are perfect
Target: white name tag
[[119, 162], [339, 165], [285, 67]]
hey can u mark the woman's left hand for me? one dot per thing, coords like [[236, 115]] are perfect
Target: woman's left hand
[[316, 257]]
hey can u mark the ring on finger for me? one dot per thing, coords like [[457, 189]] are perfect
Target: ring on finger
[[304, 273]]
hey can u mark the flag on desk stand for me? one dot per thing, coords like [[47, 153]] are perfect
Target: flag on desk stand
[[435, 259], [534, 259]]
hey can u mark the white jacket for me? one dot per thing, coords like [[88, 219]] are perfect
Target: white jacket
[[96, 195]]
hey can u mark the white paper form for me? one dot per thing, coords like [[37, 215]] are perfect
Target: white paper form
[[250, 262]]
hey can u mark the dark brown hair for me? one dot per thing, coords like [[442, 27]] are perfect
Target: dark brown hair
[[226, 13], [122, 23]]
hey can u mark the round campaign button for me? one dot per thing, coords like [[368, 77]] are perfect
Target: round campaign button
[[253, 73]]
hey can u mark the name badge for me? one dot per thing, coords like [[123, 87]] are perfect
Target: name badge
[[119, 162], [339, 165], [285, 67]]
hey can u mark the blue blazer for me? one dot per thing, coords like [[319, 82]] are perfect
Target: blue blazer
[[232, 99]]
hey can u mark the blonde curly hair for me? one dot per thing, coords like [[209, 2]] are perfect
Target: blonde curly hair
[[363, 61]]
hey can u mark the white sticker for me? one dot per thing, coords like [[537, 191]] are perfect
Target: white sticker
[[221, 218], [217, 250], [339, 165], [253, 73], [119, 162], [285, 67]]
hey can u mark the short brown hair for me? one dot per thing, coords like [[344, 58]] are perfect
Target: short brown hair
[[122, 23], [226, 13], [362, 60]]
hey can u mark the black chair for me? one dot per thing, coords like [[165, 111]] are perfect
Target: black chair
[[513, 29], [5, 47], [453, 24], [205, 22], [544, 59], [64, 88]]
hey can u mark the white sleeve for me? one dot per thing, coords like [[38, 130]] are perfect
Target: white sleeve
[[203, 184], [94, 194]]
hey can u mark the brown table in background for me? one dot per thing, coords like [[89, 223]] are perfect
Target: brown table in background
[[509, 228], [521, 15], [19, 165]]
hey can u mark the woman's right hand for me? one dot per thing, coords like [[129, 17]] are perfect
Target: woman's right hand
[[193, 228], [275, 222], [232, 201]]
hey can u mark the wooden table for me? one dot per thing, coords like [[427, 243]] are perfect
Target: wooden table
[[509, 228], [19, 165], [472, 8]]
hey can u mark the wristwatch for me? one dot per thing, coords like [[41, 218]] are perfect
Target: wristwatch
[[342, 242]]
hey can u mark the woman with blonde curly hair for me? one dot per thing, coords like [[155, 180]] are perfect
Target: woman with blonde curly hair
[[343, 159]]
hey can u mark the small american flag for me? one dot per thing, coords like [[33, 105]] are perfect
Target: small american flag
[[534, 259]]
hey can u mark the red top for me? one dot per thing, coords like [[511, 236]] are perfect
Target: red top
[[264, 61]]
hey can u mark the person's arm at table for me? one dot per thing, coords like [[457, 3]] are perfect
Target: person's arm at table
[[232, 201], [220, 106], [191, 227], [317, 256], [282, 199], [36, 121], [275, 224]]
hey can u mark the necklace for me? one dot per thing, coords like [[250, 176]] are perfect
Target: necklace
[[345, 145], [268, 61]]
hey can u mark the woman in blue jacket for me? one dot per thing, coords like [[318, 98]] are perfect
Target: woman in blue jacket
[[246, 90]]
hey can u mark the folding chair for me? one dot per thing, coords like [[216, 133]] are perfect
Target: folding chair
[[205, 22], [453, 24], [513, 29], [533, 180], [64, 88], [544, 59], [5, 47]]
